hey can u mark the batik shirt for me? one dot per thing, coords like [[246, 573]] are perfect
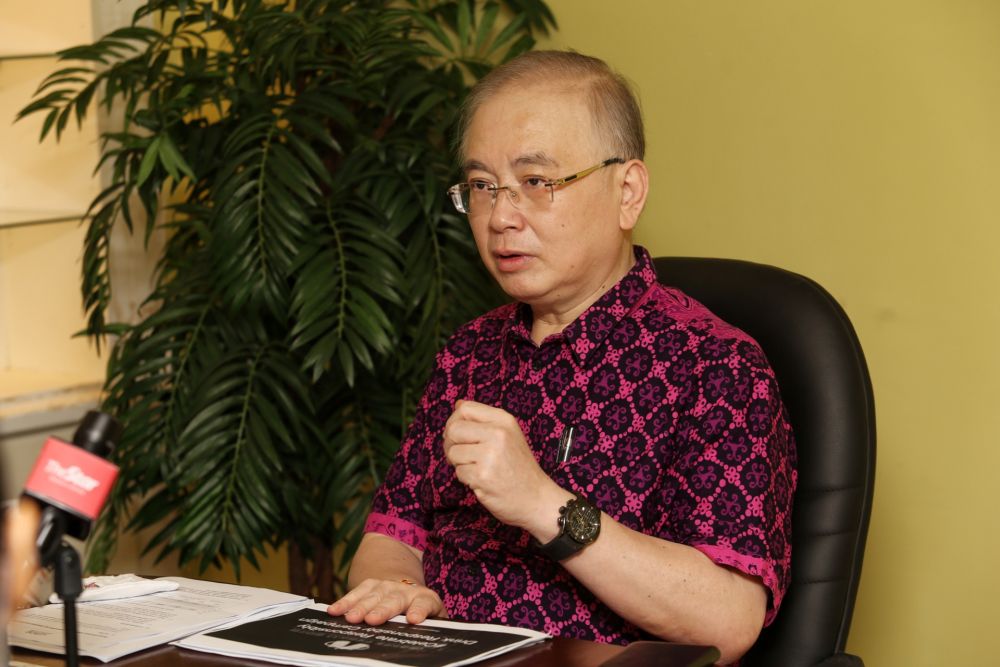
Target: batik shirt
[[679, 433]]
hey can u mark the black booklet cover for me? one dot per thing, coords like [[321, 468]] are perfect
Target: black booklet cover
[[311, 631]]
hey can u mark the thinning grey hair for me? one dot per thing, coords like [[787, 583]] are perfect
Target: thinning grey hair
[[613, 104]]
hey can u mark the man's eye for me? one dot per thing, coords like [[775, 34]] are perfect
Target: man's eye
[[479, 186], [534, 183]]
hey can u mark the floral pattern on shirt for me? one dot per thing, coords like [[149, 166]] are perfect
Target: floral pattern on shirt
[[679, 432]]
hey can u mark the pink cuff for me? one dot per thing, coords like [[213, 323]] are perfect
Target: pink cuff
[[755, 567], [398, 529]]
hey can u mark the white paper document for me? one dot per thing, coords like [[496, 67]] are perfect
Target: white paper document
[[113, 628], [310, 637], [119, 586]]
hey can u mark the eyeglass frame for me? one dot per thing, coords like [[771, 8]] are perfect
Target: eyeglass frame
[[455, 191]]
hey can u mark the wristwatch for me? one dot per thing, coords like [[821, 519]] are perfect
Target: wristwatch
[[579, 525]]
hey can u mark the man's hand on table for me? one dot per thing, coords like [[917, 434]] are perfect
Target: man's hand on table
[[375, 601]]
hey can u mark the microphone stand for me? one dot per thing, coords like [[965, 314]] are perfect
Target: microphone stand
[[54, 552], [69, 586]]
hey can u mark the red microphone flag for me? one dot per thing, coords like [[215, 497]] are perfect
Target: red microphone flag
[[71, 478]]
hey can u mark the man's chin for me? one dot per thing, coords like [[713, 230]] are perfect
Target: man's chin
[[521, 290]]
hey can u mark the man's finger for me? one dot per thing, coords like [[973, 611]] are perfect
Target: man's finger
[[422, 607], [338, 607], [359, 602], [478, 412], [387, 607], [462, 454], [363, 606], [346, 603], [462, 431], [375, 601], [466, 432]]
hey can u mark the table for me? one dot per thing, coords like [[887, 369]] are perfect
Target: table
[[553, 653]]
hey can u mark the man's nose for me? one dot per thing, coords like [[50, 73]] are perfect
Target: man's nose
[[506, 211]]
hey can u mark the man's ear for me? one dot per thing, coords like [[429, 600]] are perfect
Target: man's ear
[[635, 188]]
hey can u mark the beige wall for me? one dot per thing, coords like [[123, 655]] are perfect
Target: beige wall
[[857, 142], [39, 267], [47, 377]]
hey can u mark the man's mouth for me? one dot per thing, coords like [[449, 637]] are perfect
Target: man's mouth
[[510, 260]]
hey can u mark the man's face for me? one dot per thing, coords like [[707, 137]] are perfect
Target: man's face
[[553, 256]]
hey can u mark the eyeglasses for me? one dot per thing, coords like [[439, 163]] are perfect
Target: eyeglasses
[[478, 196]]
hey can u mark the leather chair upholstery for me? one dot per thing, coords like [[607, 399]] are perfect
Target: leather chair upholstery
[[824, 382]]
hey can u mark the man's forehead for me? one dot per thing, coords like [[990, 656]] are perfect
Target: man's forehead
[[532, 126], [554, 103], [530, 159]]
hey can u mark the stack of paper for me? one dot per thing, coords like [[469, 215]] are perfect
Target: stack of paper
[[310, 637], [113, 628]]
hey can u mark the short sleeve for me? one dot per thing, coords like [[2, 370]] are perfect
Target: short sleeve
[[729, 491], [402, 507]]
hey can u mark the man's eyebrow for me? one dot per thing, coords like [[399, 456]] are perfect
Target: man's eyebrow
[[473, 165]]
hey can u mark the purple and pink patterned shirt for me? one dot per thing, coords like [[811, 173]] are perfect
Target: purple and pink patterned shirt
[[679, 433]]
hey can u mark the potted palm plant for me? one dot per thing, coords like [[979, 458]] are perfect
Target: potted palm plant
[[297, 153]]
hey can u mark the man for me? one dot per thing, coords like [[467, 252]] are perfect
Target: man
[[652, 428]]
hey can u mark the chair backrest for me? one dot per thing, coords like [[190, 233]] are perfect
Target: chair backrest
[[824, 382]]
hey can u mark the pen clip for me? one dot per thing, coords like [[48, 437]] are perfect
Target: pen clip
[[565, 444]]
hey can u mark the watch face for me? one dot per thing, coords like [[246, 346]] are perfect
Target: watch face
[[583, 521]]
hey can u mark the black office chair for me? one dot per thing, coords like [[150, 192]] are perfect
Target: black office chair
[[824, 382]]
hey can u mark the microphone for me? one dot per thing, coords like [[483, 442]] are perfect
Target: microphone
[[71, 482]]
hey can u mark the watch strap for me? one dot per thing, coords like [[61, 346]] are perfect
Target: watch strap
[[562, 546]]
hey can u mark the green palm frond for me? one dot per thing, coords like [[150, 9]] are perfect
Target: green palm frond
[[347, 280], [150, 375], [264, 195], [296, 154], [225, 489]]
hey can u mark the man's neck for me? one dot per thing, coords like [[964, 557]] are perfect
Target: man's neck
[[549, 321]]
